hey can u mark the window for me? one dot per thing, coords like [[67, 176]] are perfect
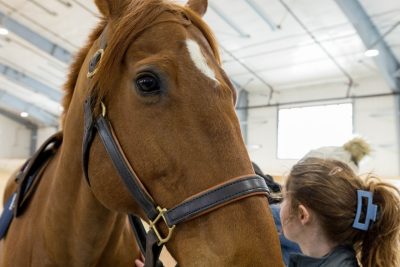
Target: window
[[306, 128]]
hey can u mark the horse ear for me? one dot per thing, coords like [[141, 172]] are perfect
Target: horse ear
[[110, 8], [199, 6]]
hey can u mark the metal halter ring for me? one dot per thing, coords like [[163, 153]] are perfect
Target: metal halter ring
[[161, 240], [94, 62], [103, 109]]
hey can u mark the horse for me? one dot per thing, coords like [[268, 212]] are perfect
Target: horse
[[148, 90]]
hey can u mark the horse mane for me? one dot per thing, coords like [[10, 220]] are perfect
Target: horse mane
[[135, 18], [75, 68]]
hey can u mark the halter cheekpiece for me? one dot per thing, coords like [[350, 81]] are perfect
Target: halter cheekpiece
[[152, 242]]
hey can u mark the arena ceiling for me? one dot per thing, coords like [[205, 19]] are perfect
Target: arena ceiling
[[267, 46]]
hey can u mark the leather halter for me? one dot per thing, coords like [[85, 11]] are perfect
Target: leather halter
[[200, 204]]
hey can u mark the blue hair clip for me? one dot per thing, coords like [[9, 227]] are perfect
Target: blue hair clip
[[372, 210]]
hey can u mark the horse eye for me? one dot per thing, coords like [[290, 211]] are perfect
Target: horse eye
[[148, 84]]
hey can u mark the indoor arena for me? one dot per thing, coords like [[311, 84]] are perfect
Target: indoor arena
[[196, 133]]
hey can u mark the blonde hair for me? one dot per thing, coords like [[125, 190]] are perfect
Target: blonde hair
[[358, 149], [329, 188]]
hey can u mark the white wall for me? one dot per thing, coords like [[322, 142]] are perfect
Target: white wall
[[43, 134], [374, 119], [14, 139]]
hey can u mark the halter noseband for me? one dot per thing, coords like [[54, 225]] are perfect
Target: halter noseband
[[152, 242]]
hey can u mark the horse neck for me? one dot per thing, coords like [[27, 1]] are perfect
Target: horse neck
[[76, 222]]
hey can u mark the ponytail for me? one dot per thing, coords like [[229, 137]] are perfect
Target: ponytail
[[380, 245], [333, 191]]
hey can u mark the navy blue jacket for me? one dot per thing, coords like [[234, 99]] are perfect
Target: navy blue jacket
[[341, 256]]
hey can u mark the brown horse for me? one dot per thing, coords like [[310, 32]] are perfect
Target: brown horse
[[172, 109]]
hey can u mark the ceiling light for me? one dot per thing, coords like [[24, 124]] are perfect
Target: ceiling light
[[3, 31], [371, 53], [24, 114]]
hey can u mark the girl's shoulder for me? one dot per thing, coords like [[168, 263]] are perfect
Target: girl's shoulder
[[341, 256]]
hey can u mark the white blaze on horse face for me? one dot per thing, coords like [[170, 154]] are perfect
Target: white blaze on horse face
[[199, 60]]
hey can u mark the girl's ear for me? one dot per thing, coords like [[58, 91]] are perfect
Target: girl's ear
[[304, 214]]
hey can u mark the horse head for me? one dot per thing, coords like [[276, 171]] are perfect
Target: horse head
[[153, 69]]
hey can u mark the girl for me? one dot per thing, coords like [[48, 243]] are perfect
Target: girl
[[338, 219]]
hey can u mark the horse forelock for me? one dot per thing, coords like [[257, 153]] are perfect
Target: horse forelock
[[137, 16]]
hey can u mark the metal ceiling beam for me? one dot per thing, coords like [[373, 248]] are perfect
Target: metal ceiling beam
[[228, 21], [321, 100], [321, 46], [11, 102], [36, 39], [397, 74], [255, 74], [386, 61], [238, 87], [28, 82], [257, 9]]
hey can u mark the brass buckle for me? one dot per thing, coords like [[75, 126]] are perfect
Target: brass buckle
[[100, 53], [161, 240]]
